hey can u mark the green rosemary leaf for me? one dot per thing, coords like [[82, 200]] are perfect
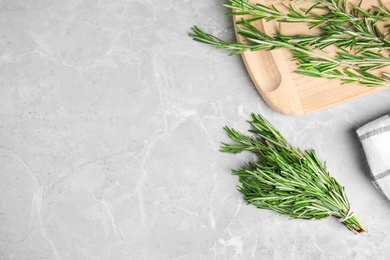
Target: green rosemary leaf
[[310, 9], [350, 73], [361, 10], [309, 74], [287, 180]]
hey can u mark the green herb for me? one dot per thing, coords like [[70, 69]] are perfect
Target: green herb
[[287, 180], [361, 45]]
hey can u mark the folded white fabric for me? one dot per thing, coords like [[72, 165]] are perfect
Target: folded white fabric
[[375, 138]]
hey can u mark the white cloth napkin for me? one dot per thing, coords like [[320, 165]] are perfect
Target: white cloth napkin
[[375, 138]]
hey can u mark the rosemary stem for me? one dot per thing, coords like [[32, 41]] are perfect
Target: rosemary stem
[[355, 225]]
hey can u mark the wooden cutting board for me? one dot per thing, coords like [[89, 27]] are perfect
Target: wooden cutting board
[[287, 92]]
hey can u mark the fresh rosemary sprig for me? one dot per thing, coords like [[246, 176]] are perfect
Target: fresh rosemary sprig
[[355, 33], [287, 180]]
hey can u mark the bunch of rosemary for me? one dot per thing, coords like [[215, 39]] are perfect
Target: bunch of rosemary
[[287, 180], [356, 34]]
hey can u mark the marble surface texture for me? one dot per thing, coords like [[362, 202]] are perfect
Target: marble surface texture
[[110, 123]]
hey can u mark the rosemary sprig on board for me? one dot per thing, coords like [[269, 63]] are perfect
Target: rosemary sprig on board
[[361, 45], [287, 180]]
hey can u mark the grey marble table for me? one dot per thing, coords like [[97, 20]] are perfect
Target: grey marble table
[[110, 123]]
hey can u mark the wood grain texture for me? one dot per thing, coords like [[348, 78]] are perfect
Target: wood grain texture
[[287, 92]]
